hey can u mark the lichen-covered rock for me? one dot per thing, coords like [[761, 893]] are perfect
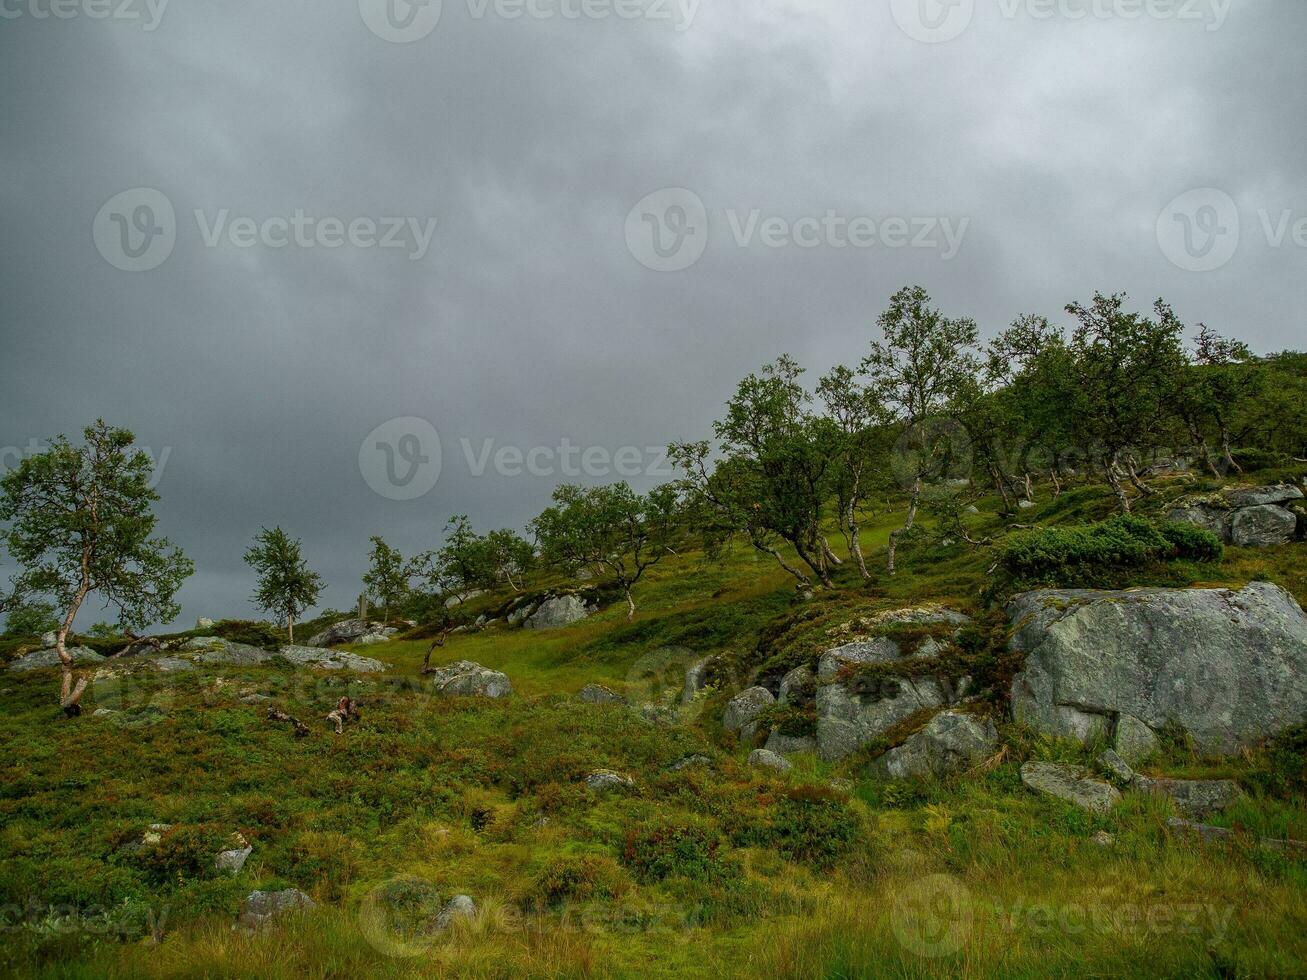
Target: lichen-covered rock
[[1134, 741], [783, 744], [743, 709], [951, 742], [234, 857], [460, 907], [345, 631], [1070, 783], [766, 759], [38, 659], [555, 613], [216, 650], [608, 780], [696, 679], [598, 694], [1227, 667], [260, 907], [464, 678], [851, 714], [1262, 526], [323, 659], [1242, 496], [799, 686], [1194, 798]]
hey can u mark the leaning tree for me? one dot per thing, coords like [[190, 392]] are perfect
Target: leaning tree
[[80, 521]]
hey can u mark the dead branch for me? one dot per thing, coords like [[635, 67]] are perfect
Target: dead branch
[[301, 729], [346, 709]]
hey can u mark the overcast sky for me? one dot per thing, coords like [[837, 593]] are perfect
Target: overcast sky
[[608, 213]]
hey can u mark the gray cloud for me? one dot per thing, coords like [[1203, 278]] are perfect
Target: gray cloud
[[529, 320]]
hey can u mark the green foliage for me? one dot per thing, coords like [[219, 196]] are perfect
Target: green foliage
[[387, 577], [813, 825], [1282, 770], [249, 632], [574, 877], [286, 586], [30, 619], [80, 521], [1102, 554], [183, 853], [665, 848]]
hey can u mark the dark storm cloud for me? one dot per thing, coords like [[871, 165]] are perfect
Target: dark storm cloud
[[1052, 142]]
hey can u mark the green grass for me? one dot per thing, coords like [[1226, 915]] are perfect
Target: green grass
[[707, 871]]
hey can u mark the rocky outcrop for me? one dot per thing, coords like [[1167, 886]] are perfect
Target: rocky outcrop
[[1227, 668], [766, 759], [1195, 798], [464, 678], [1070, 783], [50, 658], [783, 744], [598, 694], [743, 710], [853, 711], [555, 613], [1247, 517], [321, 659], [260, 907], [349, 631], [216, 650], [952, 742]]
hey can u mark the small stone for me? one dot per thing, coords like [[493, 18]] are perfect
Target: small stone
[[598, 694], [1116, 766], [1104, 839], [1070, 783], [770, 760], [233, 859], [1134, 741], [260, 907], [604, 780], [1194, 798], [691, 760], [742, 709], [460, 907]]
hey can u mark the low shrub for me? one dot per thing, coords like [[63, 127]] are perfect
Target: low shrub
[[574, 877], [1101, 554], [662, 850]]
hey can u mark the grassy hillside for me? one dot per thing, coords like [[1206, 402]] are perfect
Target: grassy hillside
[[709, 870]]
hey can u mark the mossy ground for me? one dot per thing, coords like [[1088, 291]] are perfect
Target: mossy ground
[[711, 870]]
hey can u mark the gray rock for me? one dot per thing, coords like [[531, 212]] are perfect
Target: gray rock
[[1210, 834], [215, 650], [520, 613], [49, 638], [464, 678], [767, 759], [38, 659], [1070, 783], [951, 743], [850, 716], [459, 907], [972, 509], [1116, 766], [1135, 741], [1025, 504], [172, 665], [322, 659], [1228, 667], [1103, 839], [368, 639], [233, 859], [605, 780], [696, 679], [1280, 493], [790, 744], [204, 623], [255, 699], [1194, 798], [102, 712], [743, 709], [1262, 526], [1214, 519], [691, 760], [345, 631], [260, 907], [598, 694], [798, 686], [555, 613]]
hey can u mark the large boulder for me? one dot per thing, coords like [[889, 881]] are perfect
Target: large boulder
[[1227, 667], [216, 650], [50, 658], [345, 631], [555, 613], [743, 710], [854, 711], [767, 759], [1246, 516], [1194, 798], [464, 678], [1070, 783], [952, 742], [321, 659]]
